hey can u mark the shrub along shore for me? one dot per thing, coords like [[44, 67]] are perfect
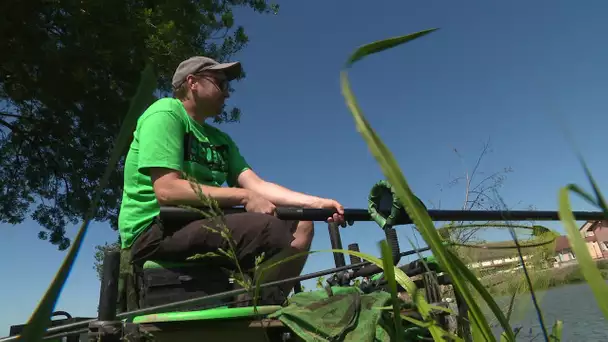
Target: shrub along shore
[[506, 283]]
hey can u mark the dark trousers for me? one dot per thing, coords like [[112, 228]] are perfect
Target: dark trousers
[[252, 234]]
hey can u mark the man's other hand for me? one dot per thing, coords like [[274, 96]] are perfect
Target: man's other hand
[[325, 203], [258, 204]]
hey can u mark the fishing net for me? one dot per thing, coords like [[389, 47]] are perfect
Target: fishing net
[[343, 314]]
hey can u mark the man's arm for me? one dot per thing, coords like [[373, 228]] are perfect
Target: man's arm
[[242, 175], [171, 189], [278, 195]]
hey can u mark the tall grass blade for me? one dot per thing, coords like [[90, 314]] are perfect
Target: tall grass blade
[[530, 287], [464, 275], [539, 313], [599, 198], [476, 332], [41, 318], [511, 304], [590, 271], [389, 274], [556, 332], [385, 44], [420, 216]]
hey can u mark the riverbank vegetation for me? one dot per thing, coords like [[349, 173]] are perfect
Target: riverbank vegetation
[[507, 283]]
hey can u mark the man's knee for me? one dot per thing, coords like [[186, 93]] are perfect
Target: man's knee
[[258, 233], [303, 235], [307, 228]]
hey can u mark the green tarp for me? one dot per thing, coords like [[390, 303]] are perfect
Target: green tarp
[[345, 315]]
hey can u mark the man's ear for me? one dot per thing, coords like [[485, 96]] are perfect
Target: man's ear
[[191, 81]]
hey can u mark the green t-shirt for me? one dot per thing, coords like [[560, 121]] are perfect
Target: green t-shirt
[[166, 136]]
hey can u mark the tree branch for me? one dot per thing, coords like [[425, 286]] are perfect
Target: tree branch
[[9, 126], [10, 115]]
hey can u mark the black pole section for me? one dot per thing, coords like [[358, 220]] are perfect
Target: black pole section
[[109, 286], [336, 243], [300, 214], [440, 215], [200, 300], [353, 258], [393, 241], [391, 236]]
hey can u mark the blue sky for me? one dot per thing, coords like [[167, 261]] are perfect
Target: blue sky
[[514, 72]]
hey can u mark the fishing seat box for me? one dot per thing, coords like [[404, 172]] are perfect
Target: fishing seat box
[[162, 282]]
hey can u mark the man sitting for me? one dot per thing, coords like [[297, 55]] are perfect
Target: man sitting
[[171, 139]]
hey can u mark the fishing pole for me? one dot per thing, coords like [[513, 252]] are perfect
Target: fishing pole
[[440, 215], [306, 214]]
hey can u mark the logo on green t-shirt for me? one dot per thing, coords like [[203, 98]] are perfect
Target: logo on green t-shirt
[[204, 153]]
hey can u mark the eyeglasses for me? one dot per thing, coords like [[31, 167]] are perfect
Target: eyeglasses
[[219, 81], [223, 84]]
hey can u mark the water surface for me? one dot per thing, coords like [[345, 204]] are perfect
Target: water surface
[[574, 305]]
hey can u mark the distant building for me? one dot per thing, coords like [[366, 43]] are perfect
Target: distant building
[[595, 234], [562, 249]]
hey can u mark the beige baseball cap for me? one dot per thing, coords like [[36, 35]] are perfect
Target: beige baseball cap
[[200, 63]]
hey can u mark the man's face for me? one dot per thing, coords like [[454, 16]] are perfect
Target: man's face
[[210, 90]]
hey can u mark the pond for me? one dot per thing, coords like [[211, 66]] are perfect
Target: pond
[[574, 305]]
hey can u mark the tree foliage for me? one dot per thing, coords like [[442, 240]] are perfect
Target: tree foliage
[[100, 251], [69, 69]]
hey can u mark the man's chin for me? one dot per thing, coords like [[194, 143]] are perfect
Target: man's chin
[[215, 112], [220, 110]]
